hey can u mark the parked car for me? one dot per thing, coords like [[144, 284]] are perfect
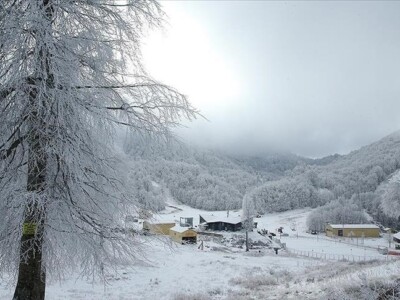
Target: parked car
[[383, 250]]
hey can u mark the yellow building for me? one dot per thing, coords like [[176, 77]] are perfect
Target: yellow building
[[183, 234], [158, 227], [352, 230]]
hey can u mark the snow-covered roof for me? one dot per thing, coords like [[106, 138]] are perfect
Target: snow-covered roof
[[180, 229], [159, 222], [354, 226], [396, 236], [229, 220]]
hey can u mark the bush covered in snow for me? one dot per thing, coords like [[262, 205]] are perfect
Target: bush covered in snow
[[366, 290], [340, 211]]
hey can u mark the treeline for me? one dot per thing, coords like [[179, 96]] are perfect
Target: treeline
[[214, 181], [340, 211], [191, 184], [361, 177], [200, 179]]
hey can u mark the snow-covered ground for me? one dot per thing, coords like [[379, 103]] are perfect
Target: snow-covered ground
[[177, 272]]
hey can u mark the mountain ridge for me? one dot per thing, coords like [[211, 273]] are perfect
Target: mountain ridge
[[278, 181]]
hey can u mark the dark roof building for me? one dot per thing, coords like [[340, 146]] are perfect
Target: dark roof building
[[221, 223]]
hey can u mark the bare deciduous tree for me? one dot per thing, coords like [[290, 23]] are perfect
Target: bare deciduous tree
[[70, 72]]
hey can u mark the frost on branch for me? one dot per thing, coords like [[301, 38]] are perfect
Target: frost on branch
[[70, 72]]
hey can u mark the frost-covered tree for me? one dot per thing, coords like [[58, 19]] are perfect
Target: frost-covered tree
[[70, 71], [391, 200], [340, 211], [248, 212]]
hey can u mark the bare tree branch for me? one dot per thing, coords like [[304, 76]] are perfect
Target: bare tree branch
[[5, 93]]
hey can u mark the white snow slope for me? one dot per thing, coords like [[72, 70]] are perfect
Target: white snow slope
[[307, 270]]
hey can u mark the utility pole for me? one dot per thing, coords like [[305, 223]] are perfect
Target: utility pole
[[247, 240]]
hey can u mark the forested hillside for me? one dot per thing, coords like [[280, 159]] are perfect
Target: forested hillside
[[200, 178], [361, 176], [276, 182]]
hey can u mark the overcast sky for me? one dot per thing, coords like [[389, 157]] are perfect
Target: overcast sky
[[313, 78]]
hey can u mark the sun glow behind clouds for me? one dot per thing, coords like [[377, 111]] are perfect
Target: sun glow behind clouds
[[308, 77], [182, 56]]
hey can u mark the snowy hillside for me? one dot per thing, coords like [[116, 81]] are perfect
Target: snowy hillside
[[200, 178], [277, 182], [357, 176]]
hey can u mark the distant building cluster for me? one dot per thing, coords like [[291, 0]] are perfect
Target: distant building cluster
[[185, 233]]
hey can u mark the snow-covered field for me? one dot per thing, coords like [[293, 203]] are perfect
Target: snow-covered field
[[177, 272]]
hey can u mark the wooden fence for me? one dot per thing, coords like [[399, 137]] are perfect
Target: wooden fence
[[339, 257]]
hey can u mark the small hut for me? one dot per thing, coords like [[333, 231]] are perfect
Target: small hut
[[183, 235]]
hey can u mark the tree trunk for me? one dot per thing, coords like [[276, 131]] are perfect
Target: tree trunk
[[31, 282], [31, 275]]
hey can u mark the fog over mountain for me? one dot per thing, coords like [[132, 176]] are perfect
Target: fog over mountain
[[275, 181], [309, 77]]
